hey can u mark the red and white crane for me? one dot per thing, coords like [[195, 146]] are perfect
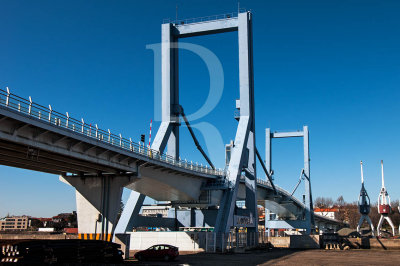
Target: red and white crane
[[384, 205]]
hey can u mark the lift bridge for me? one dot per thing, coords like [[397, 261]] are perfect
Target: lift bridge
[[99, 164]]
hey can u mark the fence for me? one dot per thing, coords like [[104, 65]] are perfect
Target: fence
[[223, 242], [206, 18], [36, 111]]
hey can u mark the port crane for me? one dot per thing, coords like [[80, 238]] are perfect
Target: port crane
[[364, 205], [384, 207]]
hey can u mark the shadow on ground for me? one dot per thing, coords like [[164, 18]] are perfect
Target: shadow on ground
[[248, 258], [288, 257]]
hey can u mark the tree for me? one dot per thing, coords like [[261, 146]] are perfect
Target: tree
[[72, 220], [349, 213], [340, 201], [353, 215], [321, 202]]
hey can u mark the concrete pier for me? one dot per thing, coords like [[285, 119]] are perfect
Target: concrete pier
[[98, 202]]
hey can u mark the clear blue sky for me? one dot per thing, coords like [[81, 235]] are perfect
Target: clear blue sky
[[331, 65]]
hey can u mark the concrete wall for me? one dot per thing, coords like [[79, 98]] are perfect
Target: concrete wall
[[194, 218], [295, 241], [196, 241], [185, 241], [184, 218], [280, 242]]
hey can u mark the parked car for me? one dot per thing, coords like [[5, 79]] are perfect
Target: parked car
[[157, 252]]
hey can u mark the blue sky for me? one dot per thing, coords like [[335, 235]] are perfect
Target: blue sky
[[331, 65]]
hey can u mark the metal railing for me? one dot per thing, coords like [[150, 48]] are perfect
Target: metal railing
[[204, 19], [259, 181], [264, 182], [55, 118], [280, 190], [224, 242]]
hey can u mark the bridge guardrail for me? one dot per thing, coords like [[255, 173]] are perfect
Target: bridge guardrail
[[204, 19], [53, 117]]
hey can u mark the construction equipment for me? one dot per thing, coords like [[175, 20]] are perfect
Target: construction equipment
[[59, 251]]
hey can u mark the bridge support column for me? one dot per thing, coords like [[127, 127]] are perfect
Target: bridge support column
[[242, 159], [268, 151], [266, 220], [168, 134], [130, 212], [251, 193], [98, 201], [243, 152], [309, 211]]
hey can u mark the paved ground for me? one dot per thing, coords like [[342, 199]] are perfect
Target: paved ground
[[288, 257]]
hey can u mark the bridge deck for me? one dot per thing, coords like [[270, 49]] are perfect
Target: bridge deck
[[38, 138]]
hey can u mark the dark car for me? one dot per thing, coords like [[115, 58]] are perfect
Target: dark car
[[157, 252]]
